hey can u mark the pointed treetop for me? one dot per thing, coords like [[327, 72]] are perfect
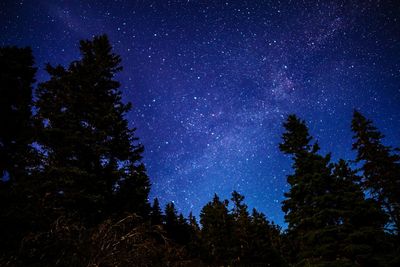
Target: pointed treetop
[[296, 138], [98, 52], [364, 128]]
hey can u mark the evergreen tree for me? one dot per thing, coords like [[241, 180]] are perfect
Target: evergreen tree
[[216, 234], [92, 163], [156, 217], [380, 167], [176, 225], [307, 203], [184, 231], [171, 220], [193, 222], [241, 234], [17, 157], [194, 245], [360, 221], [325, 207], [264, 241], [16, 134]]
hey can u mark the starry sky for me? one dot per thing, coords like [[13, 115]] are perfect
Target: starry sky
[[212, 81]]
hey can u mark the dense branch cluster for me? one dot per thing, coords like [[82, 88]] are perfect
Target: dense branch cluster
[[75, 193]]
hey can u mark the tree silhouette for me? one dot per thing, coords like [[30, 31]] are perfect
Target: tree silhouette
[[241, 234], [310, 186], [325, 208], [359, 238], [171, 221], [156, 216], [217, 232], [264, 241], [17, 158], [92, 163], [380, 167], [16, 133]]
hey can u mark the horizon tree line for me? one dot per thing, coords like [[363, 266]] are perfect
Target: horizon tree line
[[74, 191]]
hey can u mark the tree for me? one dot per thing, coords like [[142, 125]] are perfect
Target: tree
[[171, 220], [176, 225], [217, 231], [156, 216], [16, 134], [296, 139], [194, 245], [325, 207], [306, 203], [184, 231], [17, 157], [241, 234], [193, 222], [92, 165], [264, 241], [380, 167], [360, 221]]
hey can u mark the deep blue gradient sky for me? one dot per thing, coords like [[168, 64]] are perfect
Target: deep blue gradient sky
[[212, 81]]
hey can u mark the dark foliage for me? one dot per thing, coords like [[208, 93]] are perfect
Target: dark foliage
[[236, 238], [16, 134], [329, 218], [92, 162], [156, 217], [17, 157], [380, 167]]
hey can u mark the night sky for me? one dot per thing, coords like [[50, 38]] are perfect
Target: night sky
[[212, 81]]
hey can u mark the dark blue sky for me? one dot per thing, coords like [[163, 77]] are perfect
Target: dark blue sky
[[212, 81]]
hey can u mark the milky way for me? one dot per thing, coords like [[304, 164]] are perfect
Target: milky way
[[212, 81]]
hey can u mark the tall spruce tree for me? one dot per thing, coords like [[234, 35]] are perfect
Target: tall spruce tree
[[306, 204], [380, 167], [184, 231], [264, 241], [193, 222], [241, 234], [176, 226], [359, 221], [16, 134], [194, 246], [216, 233], [325, 208], [171, 220], [92, 165], [171, 215], [156, 216], [17, 157]]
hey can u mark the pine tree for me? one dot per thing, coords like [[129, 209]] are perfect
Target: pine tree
[[360, 221], [241, 234], [92, 163], [325, 207], [17, 157], [194, 245], [156, 216], [216, 234], [176, 225], [16, 134], [193, 222], [264, 241], [307, 203], [380, 167], [184, 231], [171, 220]]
